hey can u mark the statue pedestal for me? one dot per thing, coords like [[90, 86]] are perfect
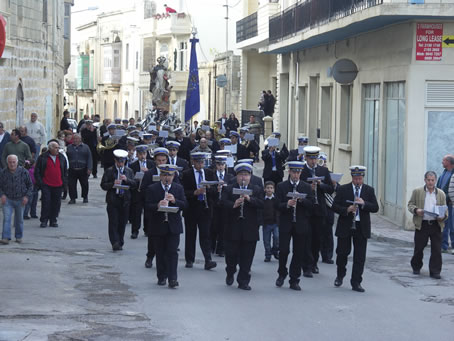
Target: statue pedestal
[[268, 126]]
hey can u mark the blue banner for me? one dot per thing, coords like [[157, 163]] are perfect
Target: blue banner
[[193, 94]]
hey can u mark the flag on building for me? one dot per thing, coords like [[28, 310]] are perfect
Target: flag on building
[[193, 94]]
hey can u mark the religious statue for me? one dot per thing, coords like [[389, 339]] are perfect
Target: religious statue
[[159, 84]]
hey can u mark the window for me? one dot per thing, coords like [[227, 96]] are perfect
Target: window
[[346, 114], [325, 113], [116, 59], [127, 57], [183, 55], [45, 11], [394, 150], [302, 114], [371, 121], [148, 54]]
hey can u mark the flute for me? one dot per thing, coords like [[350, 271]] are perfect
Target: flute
[[242, 204], [294, 208], [166, 191]]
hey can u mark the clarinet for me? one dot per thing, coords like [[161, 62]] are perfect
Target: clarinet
[[166, 191], [205, 199], [242, 204], [354, 216], [294, 208]]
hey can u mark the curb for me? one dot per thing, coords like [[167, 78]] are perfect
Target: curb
[[384, 239]]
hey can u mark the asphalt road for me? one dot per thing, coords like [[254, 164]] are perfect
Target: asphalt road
[[66, 284]]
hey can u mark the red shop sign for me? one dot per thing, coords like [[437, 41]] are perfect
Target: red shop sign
[[429, 37]]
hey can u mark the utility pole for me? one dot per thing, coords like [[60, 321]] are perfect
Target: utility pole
[[226, 25]]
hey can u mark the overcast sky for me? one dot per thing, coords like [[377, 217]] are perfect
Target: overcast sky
[[207, 15]]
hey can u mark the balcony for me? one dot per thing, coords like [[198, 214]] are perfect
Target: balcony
[[312, 23], [168, 25], [179, 80], [253, 30]]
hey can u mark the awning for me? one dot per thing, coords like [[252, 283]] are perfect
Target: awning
[[2, 34]]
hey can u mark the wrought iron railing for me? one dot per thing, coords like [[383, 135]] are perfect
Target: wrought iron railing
[[312, 13], [246, 28]]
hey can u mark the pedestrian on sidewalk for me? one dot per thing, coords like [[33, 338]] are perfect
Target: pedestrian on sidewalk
[[446, 184], [51, 175], [427, 226], [33, 200], [15, 191], [80, 167], [16, 147], [4, 139], [36, 131]]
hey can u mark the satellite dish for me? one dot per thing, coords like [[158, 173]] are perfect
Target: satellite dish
[[344, 71], [221, 81]]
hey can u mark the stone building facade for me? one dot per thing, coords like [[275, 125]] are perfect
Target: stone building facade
[[34, 62]]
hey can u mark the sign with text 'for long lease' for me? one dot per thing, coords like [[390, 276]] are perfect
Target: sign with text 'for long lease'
[[429, 38]]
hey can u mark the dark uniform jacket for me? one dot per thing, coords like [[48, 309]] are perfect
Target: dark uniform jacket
[[107, 154], [246, 229], [303, 207], [340, 205], [107, 182], [190, 186], [326, 186], [241, 152], [154, 194], [268, 168], [293, 156]]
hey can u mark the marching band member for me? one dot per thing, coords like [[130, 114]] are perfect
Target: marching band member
[[354, 202], [293, 224], [174, 159], [109, 144], [294, 154], [118, 199], [219, 212], [274, 164], [242, 230], [166, 227], [198, 212], [142, 164], [241, 151], [319, 213]]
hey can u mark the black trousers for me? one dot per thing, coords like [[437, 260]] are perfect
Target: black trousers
[[300, 243], [197, 217], [94, 158], [317, 230], [326, 238], [117, 213], [422, 236], [239, 252], [217, 230], [344, 247], [74, 175], [50, 203], [136, 213], [274, 176], [166, 247]]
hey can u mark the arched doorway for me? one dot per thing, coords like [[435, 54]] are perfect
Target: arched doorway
[[115, 109], [19, 105], [126, 109]]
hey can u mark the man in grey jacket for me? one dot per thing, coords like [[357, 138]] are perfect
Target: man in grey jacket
[[80, 167]]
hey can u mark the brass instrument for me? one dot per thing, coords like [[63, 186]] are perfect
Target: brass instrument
[[109, 144]]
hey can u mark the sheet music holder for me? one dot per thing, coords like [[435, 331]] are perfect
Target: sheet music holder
[[316, 178], [336, 176], [205, 128], [168, 209], [163, 133], [301, 150], [139, 175], [249, 137], [273, 142], [296, 195], [209, 183], [124, 187], [156, 178], [239, 191]]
